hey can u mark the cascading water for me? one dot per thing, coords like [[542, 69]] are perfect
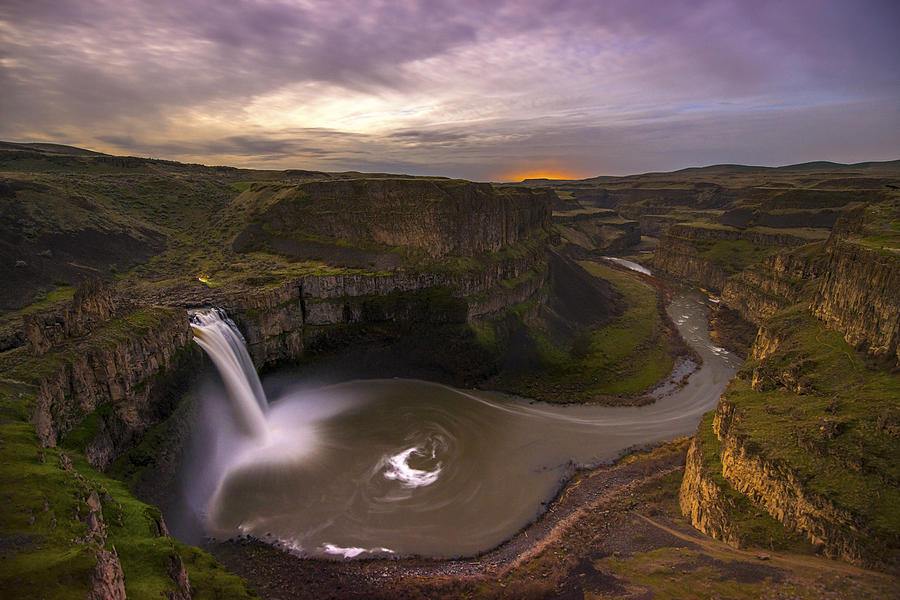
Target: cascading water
[[220, 338], [399, 466]]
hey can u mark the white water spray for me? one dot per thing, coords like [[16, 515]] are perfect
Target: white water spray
[[220, 338]]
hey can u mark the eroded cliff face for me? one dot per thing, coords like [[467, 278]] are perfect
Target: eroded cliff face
[[707, 255], [728, 483], [116, 377], [598, 232], [93, 304], [859, 294], [777, 488], [805, 433], [775, 283], [680, 259], [280, 323], [704, 500], [439, 217]]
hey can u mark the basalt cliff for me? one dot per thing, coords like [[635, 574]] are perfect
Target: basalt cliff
[[807, 435], [802, 268]]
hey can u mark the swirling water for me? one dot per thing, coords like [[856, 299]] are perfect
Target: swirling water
[[387, 466]]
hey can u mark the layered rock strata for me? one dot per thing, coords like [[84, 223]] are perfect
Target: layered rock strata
[[440, 217], [121, 371], [859, 294], [275, 322], [683, 251], [93, 304], [599, 232], [775, 283]]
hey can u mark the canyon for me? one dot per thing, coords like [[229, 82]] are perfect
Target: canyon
[[503, 287]]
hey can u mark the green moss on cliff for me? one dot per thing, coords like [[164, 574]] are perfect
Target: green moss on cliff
[[45, 548], [820, 409], [39, 557], [21, 366], [748, 523], [734, 255], [815, 408]]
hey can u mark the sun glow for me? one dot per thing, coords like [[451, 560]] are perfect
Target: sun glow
[[552, 173]]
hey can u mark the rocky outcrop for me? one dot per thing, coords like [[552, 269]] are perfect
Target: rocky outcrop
[[179, 576], [92, 305], [777, 489], [116, 369], [107, 581], [274, 321], [600, 232], [704, 500], [778, 364], [726, 477], [680, 259], [439, 217], [859, 294], [685, 253], [777, 282]]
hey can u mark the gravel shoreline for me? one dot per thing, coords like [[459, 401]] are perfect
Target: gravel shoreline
[[278, 575]]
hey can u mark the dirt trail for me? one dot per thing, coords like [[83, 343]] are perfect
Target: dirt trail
[[788, 560]]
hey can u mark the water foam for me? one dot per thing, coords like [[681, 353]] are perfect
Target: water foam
[[353, 551], [398, 469]]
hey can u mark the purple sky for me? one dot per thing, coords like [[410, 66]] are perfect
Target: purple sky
[[474, 89]]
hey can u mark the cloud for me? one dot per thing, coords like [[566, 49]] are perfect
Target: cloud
[[465, 88]]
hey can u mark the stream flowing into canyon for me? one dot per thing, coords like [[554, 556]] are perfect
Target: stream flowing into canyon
[[408, 467]]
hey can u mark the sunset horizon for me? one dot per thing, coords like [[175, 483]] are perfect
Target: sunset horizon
[[474, 90]]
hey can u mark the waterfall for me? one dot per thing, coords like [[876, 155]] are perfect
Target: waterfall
[[221, 340]]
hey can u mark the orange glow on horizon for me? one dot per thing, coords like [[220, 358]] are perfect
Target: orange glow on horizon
[[539, 174]]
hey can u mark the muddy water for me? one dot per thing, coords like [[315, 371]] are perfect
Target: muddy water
[[409, 467]]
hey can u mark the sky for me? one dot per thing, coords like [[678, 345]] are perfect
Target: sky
[[483, 90]]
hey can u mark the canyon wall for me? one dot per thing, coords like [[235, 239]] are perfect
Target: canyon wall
[[704, 499], [859, 294], [92, 305], [112, 380], [598, 232], [706, 255], [775, 283], [278, 323], [103, 369], [680, 259], [805, 430], [439, 217], [727, 478], [777, 489]]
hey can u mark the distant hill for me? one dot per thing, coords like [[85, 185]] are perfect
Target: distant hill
[[50, 148], [734, 169]]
